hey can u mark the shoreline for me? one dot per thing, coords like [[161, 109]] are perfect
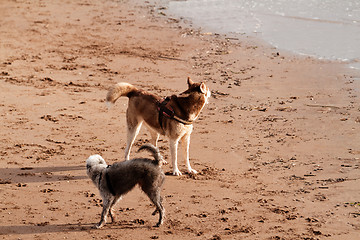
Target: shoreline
[[274, 38], [276, 147], [185, 26]]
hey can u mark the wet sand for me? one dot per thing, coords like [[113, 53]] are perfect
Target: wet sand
[[277, 148]]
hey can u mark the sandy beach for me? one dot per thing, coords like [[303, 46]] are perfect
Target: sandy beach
[[277, 147]]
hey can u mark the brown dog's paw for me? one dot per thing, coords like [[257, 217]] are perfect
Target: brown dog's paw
[[192, 171], [176, 172]]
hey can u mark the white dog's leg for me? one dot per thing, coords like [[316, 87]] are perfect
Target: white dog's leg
[[106, 208], [173, 149], [113, 203], [131, 135], [185, 145]]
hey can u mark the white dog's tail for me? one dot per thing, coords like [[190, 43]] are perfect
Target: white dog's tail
[[154, 151], [119, 90]]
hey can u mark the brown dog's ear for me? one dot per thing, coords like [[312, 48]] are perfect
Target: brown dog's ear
[[203, 88], [190, 82]]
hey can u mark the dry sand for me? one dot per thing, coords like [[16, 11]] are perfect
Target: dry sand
[[277, 147]]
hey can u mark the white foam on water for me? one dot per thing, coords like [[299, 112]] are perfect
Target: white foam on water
[[326, 29]]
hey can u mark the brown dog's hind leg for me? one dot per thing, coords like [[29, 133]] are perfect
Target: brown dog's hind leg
[[154, 137], [132, 131]]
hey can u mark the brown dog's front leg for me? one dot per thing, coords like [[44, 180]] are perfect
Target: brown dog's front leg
[[173, 151]]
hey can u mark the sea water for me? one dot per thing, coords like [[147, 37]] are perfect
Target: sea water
[[325, 29]]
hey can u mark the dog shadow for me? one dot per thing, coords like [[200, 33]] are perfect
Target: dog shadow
[[46, 228], [68, 228], [41, 174]]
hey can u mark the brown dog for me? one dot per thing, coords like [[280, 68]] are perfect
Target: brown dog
[[172, 117]]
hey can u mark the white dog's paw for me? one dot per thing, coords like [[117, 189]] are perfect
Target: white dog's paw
[[176, 172], [163, 162], [99, 225], [192, 171]]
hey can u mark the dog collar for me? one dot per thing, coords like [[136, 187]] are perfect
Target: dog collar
[[168, 112], [108, 182]]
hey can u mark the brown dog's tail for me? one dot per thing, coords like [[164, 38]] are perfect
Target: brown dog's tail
[[119, 90], [154, 151]]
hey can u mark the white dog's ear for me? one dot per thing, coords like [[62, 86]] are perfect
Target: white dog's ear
[[100, 159], [95, 159]]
